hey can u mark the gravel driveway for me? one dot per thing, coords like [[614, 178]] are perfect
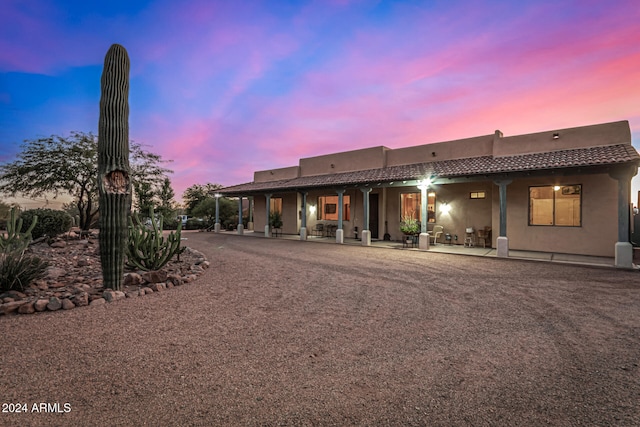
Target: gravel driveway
[[281, 332]]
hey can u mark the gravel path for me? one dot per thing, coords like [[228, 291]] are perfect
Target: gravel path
[[282, 332]]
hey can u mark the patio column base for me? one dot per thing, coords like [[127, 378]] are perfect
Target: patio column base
[[267, 231], [503, 247], [423, 241], [303, 233], [340, 236], [250, 226], [240, 229], [216, 228], [624, 255], [366, 237]]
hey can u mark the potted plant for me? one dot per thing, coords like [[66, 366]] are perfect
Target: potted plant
[[410, 227], [275, 219]]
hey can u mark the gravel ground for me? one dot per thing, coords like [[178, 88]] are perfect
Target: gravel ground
[[282, 332]]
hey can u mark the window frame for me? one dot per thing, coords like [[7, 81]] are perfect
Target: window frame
[[554, 204]]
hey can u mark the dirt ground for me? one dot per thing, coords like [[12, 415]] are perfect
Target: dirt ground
[[289, 333]]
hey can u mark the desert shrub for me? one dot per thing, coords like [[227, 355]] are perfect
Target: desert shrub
[[170, 224], [18, 270], [195, 224], [50, 222]]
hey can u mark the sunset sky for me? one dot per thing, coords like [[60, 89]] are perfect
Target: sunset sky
[[224, 88]]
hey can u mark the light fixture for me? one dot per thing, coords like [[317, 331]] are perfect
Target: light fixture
[[423, 184], [312, 209], [433, 154], [217, 195], [556, 135], [556, 187], [445, 208], [432, 194]]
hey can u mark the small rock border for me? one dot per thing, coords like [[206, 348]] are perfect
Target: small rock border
[[46, 295]]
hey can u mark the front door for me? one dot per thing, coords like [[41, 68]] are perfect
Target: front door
[[373, 215]]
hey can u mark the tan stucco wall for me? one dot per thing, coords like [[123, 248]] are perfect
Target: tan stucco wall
[[469, 147], [580, 137], [598, 233], [368, 158], [276, 174]]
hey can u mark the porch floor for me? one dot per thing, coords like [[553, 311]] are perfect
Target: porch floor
[[459, 250]]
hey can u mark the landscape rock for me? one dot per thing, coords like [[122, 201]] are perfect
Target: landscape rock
[[155, 276], [27, 308], [81, 299], [58, 244], [10, 307], [67, 304], [41, 304], [132, 279], [54, 304], [98, 301]]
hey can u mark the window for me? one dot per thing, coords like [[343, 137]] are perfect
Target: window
[[411, 205], [477, 195], [276, 205], [328, 208], [555, 205]]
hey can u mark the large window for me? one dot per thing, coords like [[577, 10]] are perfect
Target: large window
[[558, 205], [276, 205], [411, 205], [328, 208]]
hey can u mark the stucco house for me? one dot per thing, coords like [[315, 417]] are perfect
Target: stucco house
[[563, 191]]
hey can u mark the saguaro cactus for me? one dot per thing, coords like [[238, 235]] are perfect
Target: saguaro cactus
[[113, 165]]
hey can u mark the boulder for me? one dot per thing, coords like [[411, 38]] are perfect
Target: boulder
[[10, 307], [27, 308], [155, 276], [41, 305], [67, 304], [54, 304], [132, 279]]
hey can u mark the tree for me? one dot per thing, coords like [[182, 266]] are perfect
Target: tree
[[58, 165], [207, 209], [196, 194], [144, 195], [165, 196]]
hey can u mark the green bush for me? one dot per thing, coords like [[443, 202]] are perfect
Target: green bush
[[18, 270], [195, 224], [50, 222]]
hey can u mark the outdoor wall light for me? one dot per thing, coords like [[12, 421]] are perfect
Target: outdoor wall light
[[556, 135], [556, 187], [312, 209], [445, 208]]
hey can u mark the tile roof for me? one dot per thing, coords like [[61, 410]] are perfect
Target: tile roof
[[483, 165]]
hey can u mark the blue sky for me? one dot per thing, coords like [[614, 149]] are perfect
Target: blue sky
[[224, 88]]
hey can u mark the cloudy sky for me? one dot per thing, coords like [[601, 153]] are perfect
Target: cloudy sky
[[224, 88]]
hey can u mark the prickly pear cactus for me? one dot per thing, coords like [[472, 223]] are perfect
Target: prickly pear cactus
[[113, 165]]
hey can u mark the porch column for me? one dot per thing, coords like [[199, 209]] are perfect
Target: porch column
[[267, 225], [216, 227], [502, 242], [240, 226], [624, 248], [340, 231], [303, 228], [250, 223], [423, 239], [366, 233]]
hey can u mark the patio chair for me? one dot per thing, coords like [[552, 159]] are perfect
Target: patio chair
[[484, 236], [318, 230], [437, 231]]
